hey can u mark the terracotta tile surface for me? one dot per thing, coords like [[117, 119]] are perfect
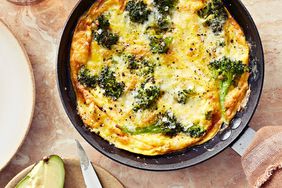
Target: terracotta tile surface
[[39, 28]]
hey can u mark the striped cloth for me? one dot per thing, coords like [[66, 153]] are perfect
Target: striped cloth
[[262, 161]]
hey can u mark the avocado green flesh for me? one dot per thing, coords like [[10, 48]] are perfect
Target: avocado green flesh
[[47, 173]]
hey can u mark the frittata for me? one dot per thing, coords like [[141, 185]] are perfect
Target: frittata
[[156, 76]]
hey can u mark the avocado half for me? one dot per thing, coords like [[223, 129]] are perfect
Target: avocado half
[[47, 173]]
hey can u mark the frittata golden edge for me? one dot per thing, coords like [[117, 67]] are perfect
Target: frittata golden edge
[[94, 109]]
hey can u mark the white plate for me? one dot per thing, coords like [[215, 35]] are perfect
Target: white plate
[[17, 95]]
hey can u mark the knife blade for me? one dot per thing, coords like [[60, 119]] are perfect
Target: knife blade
[[89, 174]]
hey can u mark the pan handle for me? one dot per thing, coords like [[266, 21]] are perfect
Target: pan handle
[[241, 145]]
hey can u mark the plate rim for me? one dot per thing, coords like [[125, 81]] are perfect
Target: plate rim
[[31, 74]]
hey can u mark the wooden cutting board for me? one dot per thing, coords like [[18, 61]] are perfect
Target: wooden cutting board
[[74, 178]]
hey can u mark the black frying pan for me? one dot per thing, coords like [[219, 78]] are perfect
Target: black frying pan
[[184, 158]]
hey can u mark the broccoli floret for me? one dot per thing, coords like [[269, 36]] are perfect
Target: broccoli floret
[[141, 66], [216, 24], [183, 95], [160, 26], [105, 38], [138, 11], [196, 131], [159, 44], [169, 124], [86, 78], [133, 64], [147, 95], [215, 15], [103, 22], [227, 71], [215, 7], [164, 6], [103, 35], [166, 124], [147, 68], [107, 81], [163, 23]]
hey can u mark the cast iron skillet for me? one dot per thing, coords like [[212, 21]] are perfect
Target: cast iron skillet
[[184, 158]]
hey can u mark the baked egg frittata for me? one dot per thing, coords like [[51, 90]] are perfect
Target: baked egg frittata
[[157, 76]]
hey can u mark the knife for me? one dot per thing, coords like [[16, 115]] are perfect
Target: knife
[[89, 174]]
